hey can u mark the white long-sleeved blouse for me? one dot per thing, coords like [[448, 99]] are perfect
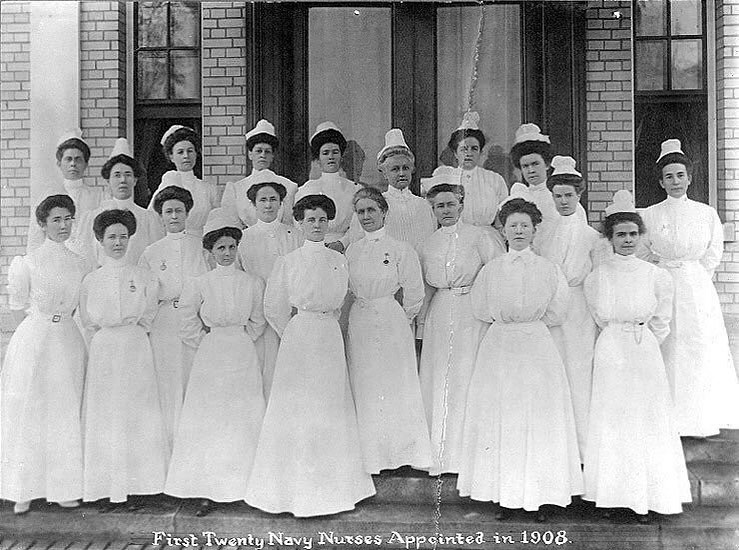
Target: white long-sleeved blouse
[[172, 260], [379, 266], [238, 206], [262, 243], [570, 245], [204, 196], [341, 191]]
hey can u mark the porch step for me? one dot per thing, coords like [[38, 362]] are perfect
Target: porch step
[[697, 528], [721, 448], [714, 484]]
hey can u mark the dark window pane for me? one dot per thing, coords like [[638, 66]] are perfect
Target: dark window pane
[[152, 75], [687, 64], [651, 18], [185, 74], [650, 65], [152, 27], [686, 17], [185, 24]]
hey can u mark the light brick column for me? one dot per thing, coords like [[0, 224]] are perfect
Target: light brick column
[[102, 80], [15, 118], [224, 91], [609, 102]]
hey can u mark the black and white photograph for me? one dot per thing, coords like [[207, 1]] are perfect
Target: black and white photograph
[[338, 275]]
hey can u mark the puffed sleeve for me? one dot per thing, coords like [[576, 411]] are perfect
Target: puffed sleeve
[[289, 202], [256, 323], [35, 234], [479, 295], [411, 280], [712, 257], [19, 284], [156, 227], [228, 199], [664, 290], [85, 320], [591, 290], [557, 308], [152, 301], [486, 247], [277, 307], [428, 291], [354, 233], [145, 260], [191, 327], [212, 195]]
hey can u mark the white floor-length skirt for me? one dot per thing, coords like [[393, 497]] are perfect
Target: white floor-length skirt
[[520, 445], [125, 444], [635, 458], [267, 346], [451, 337], [42, 381], [387, 393], [308, 460], [219, 426]]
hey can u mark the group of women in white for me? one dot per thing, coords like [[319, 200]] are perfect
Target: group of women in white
[[264, 351]]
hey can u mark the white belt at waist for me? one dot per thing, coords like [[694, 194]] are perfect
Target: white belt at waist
[[528, 327], [171, 302], [369, 302], [229, 329], [675, 264], [317, 314], [634, 327], [457, 290], [52, 317]]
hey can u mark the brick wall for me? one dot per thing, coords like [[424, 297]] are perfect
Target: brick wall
[[15, 116], [727, 118], [224, 91], [609, 102], [102, 80]]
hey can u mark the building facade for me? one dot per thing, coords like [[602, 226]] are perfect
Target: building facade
[[607, 80]]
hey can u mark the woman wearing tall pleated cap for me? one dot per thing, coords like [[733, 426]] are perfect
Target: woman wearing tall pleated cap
[[686, 238]]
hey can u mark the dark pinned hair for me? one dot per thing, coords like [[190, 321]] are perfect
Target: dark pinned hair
[[173, 193], [520, 206], [251, 193], [106, 218], [181, 134], [121, 159], [622, 217], [51, 202], [675, 158], [459, 135], [373, 194], [446, 188], [327, 136], [73, 143], [567, 179], [311, 202], [211, 237], [269, 139], [528, 148]]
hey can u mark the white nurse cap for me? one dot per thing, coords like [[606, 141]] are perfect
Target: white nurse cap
[[172, 129], [670, 146], [121, 147], [262, 127], [394, 140], [530, 132], [323, 126], [564, 165], [218, 218], [74, 133], [470, 121], [623, 201]]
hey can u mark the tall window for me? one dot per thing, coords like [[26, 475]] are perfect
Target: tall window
[[670, 90], [168, 83]]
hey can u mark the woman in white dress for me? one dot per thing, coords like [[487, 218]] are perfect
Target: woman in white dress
[[634, 459], [172, 260], [261, 144], [327, 145], [181, 146], [219, 426], [532, 155], [686, 238], [450, 258], [44, 368], [125, 441], [261, 245], [572, 245], [309, 460], [380, 347], [519, 444]]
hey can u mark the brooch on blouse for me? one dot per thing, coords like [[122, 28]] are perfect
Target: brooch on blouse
[[132, 287], [163, 267], [386, 261]]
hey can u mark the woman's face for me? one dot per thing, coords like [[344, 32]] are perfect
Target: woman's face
[[174, 216], [72, 164], [565, 199], [224, 250], [519, 230], [267, 204], [625, 238], [369, 214], [398, 170], [447, 208], [115, 241], [675, 180], [329, 157], [184, 155], [533, 168], [468, 153], [121, 181], [261, 156], [58, 224], [314, 224]]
